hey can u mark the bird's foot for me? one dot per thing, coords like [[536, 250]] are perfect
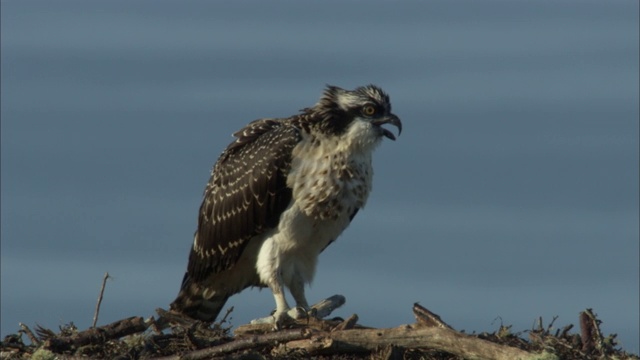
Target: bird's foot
[[319, 311], [302, 312], [279, 319], [282, 319], [290, 316]]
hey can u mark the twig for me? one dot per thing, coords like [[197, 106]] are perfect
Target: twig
[[550, 326], [565, 330], [224, 318], [30, 334], [95, 315]]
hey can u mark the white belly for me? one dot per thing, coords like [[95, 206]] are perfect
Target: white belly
[[293, 247], [329, 182]]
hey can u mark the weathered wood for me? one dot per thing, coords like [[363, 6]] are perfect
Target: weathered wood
[[391, 352], [430, 332], [427, 318], [97, 335], [311, 336], [25, 329], [97, 312], [590, 331], [406, 336], [314, 346], [243, 343], [348, 324], [325, 307], [310, 323]]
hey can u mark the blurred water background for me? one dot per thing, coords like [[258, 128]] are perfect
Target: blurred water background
[[511, 194]]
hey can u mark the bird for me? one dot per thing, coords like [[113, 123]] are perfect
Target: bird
[[278, 195]]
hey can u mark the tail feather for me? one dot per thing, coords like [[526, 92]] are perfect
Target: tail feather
[[191, 301]]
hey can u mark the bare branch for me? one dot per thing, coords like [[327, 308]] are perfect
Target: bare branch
[[408, 336], [97, 312], [97, 335], [34, 339], [428, 318]]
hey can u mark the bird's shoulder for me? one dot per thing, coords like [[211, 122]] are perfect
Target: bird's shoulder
[[263, 132]]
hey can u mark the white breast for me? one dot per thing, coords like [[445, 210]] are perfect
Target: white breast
[[330, 179]]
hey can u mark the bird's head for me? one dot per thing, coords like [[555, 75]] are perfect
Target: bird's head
[[360, 112]]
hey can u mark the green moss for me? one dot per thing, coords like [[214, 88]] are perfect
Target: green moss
[[42, 354], [545, 356]]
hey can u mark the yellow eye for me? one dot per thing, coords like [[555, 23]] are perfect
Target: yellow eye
[[368, 110]]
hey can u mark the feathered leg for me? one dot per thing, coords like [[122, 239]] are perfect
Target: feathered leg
[[297, 291], [277, 287]]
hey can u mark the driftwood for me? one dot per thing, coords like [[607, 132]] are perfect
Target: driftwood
[[316, 339], [406, 336], [97, 335], [172, 336], [428, 338], [242, 343], [422, 335], [590, 334], [348, 324]]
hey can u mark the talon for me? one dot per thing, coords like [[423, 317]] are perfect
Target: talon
[[313, 312], [280, 319]]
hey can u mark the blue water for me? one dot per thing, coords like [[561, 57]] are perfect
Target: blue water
[[511, 194]]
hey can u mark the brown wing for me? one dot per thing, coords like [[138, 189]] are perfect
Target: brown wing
[[245, 195]]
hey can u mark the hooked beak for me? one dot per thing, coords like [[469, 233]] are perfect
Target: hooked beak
[[391, 119]]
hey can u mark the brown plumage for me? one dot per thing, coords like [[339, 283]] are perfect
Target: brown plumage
[[276, 181]]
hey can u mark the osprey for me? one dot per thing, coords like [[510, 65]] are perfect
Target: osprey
[[279, 195]]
